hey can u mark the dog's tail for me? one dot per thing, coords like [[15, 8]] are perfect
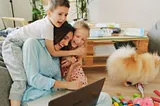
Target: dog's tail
[[122, 63]]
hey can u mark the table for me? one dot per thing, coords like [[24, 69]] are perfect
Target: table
[[140, 42]]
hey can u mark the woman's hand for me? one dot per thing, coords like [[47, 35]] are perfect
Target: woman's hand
[[74, 85]]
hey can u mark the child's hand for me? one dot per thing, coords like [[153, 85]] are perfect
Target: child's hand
[[73, 59], [66, 62], [80, 51], [74, 85], [74, 65]]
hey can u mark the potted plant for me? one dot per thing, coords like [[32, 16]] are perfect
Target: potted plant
[[38, 12], [81, 9]]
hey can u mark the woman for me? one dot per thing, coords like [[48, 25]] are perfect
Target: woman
[[42, 70]]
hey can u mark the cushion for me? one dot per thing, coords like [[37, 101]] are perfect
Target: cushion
[[154, 38], [5, 82]]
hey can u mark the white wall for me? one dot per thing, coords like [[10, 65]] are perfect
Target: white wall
[[22, 9], [143, 13], [4, 10]]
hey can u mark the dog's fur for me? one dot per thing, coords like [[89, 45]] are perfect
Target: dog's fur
[[125, 65]]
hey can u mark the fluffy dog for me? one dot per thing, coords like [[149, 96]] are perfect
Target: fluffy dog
[[128, 67]]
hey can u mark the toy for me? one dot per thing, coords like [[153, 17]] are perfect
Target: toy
[[157, 92], [119, 94], [136, 105], [116, 99], [135, 95], [130, 105], [123, 100], [116, 104], [140, 87], [156, 104], [130, 102], [156, 99], [143, 102]]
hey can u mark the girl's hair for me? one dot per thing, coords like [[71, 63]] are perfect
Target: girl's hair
[[78, 25], [81, 24], [61, 32], [52, 4]]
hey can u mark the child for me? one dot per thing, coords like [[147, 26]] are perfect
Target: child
[[12, 47], [71, 66]]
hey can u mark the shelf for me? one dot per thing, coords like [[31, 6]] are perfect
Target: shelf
[[95, 65], [94, 56]]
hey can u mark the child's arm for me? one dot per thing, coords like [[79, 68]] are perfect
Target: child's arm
[[80, 59], [71, 68], [53, 52]]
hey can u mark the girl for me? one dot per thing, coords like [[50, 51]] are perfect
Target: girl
[[71, 66]]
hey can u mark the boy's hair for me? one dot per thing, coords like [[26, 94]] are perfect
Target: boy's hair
[[52, 4], [81, 24]]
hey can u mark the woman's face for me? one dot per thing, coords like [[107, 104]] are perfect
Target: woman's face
[[80, 36], [64, 41]]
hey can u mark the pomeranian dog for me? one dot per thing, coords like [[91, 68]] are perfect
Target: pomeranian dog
[[128, 67]]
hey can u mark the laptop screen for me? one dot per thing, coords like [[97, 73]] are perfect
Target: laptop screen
[[86, 96]]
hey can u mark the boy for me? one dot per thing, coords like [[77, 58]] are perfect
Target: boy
[[12, 47]]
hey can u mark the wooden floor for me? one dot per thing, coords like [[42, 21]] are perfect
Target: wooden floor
[[112, 88]]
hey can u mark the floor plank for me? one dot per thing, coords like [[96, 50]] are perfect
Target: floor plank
[[113, 88]]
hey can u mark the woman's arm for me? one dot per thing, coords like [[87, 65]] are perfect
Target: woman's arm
[[31, 50], [74, 85], [53, 52]]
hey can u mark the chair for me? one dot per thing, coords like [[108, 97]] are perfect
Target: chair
[[21, 20]]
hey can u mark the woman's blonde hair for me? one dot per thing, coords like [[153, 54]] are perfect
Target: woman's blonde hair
[[52, 4]]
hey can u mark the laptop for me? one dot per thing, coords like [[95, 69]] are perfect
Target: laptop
[[86, 96]]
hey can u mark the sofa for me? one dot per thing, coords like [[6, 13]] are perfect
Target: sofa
[[154, 38], [5, 81]]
